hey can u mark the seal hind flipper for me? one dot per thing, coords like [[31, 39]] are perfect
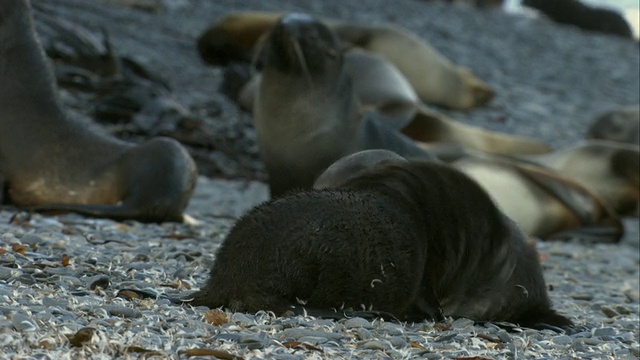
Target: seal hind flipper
[[586, 206]]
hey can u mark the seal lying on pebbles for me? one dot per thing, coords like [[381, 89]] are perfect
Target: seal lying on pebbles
[[609, 169], [411, 239], [621, 125], [542, 202], [49, 161], [435, 79]]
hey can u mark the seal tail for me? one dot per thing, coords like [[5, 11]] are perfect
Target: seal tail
[[600, 224]]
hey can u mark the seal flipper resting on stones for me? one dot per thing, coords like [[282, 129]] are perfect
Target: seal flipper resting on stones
[[50, 161], [384, 240]]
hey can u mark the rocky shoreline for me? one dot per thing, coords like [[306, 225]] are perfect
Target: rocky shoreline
[[61, 277]]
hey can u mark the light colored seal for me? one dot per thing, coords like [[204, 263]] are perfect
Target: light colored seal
[[609, 169], [49, 161], [414, 239], [542, 202], [434, 78], [431, 129]]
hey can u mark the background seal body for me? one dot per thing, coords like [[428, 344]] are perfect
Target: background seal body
[[49, 161]]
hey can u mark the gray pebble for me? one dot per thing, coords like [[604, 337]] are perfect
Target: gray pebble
[[397, 342], [96, 281], [604, 331], [392, 329], [446, 337], [23, 323], [376, 345], [313, 340], [6, 273], [357, 322], [122, 311], [32, 239], [504, 336], [562, 340], [244, 319], [362, 334]]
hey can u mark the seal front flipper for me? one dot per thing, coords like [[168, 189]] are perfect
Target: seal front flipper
[[155, 179]]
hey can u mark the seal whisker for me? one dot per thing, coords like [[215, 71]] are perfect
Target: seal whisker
[[303, 62]]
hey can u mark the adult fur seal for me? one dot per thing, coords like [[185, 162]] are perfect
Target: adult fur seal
[[306, 114], [376, 82], [621, 125], [409, 239], [49, 161], [435, 78]]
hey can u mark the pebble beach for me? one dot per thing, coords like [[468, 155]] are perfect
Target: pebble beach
[[73, 287]]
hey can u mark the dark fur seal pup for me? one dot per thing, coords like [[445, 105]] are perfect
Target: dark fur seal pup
[[621, 125], [435, 78], [574, 12], [49, 161], [411, 239]]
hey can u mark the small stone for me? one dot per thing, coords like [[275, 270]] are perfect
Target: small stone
[[376, 345], [392, 329], [101, 281], [604, 331], [446, 337], [244, 319], [357, 322], [562, 340], [32, 239], [462, 323], [504, 336], [122, 311], [581, 296], [6, 273], [313, 340], [609, 311], [362, 334], [23, 323]]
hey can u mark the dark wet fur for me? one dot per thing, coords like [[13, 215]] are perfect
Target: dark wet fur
[[573, 12], [428, 234]]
